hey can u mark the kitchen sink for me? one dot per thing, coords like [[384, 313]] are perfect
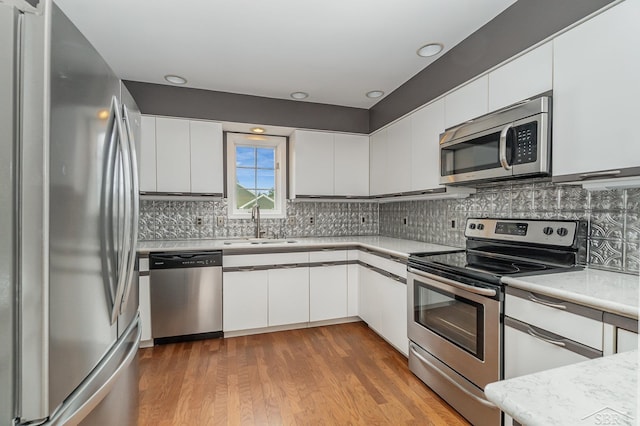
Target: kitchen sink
[[258, 241]]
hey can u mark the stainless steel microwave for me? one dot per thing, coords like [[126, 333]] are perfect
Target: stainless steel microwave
[[510, 143]]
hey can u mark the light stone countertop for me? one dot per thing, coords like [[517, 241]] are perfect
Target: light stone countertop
[[393, 246], [608, 291], [602, 391]]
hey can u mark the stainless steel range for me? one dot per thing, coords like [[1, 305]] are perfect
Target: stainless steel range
[[455, 303]]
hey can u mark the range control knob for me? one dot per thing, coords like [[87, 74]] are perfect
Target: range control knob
[[480, 227], [562, 231], [472, 226], [547, 230]]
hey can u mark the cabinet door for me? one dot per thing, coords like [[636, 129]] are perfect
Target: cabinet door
[[351, 162], [370, 300], [378, 163], [288, 296], [426, 126], [353, 289], [245, 299], [399, 156], [467, 102], [595, 96], [626, 340], [148, 154], [206, 157], [313, 163], [145, 307], [526, 76], [327, 292], [173, 155], [394, 313]]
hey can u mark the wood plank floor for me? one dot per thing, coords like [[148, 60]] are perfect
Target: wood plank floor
[[335, 375]]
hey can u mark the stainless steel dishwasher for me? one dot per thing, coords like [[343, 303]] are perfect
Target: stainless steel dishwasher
[[186, 296]]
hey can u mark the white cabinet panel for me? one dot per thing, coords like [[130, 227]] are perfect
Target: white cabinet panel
[[327, 292], [288, 296], [353, 290], [426, 126], [245, 300], [313, 163], [173, 155], [394, 313], [399, 156], [328, 256], [467, 102], [236, 260], [626, 340], [148, 154], [351, 162], [378, 172], [595, 95], [369, 298], [206, 157], [526, 76], [145, 307]]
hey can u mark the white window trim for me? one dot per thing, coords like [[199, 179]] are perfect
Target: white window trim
[[280, 144]]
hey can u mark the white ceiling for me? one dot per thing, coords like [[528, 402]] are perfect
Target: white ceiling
[[335, 50]]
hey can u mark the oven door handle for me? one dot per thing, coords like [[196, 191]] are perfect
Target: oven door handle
[[503, 146], [482, 401], [471, 289]]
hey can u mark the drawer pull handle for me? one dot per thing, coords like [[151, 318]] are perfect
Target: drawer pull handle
[[546, 303], [544, 339]]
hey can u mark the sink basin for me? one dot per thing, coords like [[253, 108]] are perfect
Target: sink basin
[[258, 241]]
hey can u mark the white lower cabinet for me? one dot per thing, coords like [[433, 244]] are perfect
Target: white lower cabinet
[[327, 292], [288, 296], [626, 340], [245, 302], [145, 307], [353, 287]]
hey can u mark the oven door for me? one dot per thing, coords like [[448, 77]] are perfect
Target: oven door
[[457, 323]]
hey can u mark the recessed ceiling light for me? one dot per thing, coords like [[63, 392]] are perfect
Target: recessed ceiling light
[[375, 94], [257, 130], [103, 114], [430, 49], [299, 95], [175, 79]]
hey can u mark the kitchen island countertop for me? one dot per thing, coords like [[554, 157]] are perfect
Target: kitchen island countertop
[[600, 391]]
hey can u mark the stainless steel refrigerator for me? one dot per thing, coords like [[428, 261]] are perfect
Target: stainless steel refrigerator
[[69, 323]]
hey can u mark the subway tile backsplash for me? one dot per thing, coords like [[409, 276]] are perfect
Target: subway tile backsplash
[[613, 217]]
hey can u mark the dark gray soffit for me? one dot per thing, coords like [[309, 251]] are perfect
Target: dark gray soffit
[[519, 27], [159, 99]]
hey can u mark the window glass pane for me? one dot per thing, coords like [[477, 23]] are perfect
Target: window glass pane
[[246, 178], [245, 198], [265, 179], [245, 156], [266, 158]]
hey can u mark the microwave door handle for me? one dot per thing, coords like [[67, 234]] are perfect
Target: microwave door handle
[[503, 146]]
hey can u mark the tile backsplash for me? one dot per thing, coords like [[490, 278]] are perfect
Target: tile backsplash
[[613, 217]]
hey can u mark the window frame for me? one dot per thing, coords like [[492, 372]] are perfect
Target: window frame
[[234, 139]]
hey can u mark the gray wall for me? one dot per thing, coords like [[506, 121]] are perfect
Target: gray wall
[[519, 27]]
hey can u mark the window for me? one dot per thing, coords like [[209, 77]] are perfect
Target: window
[[256, 174]]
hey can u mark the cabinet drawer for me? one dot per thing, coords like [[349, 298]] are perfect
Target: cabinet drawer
[[328, 255], [385, 263], [578, 323], [265, 259]]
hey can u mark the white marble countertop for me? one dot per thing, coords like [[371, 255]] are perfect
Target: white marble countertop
[[393, 246], [602, 391], [608, 291]]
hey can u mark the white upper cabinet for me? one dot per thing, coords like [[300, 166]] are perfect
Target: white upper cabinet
[[467, 102], [525, 76], [173, 155], [313, 163], [179, 155], [399, 156], [595, 95], [351, 165], [378, 163], [206, 157], [330, 164], [147, 155], [426, 126]]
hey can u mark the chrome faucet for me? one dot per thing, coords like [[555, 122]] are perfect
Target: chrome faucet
[[255, 216]]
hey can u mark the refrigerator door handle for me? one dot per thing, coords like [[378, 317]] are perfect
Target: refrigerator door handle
[[134, 207]]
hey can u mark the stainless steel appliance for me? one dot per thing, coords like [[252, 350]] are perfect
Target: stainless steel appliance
[[455, 303], [68, 223], [509, 143], [186, 296]]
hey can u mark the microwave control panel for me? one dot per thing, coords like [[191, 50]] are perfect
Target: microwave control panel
[[526, 143]]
